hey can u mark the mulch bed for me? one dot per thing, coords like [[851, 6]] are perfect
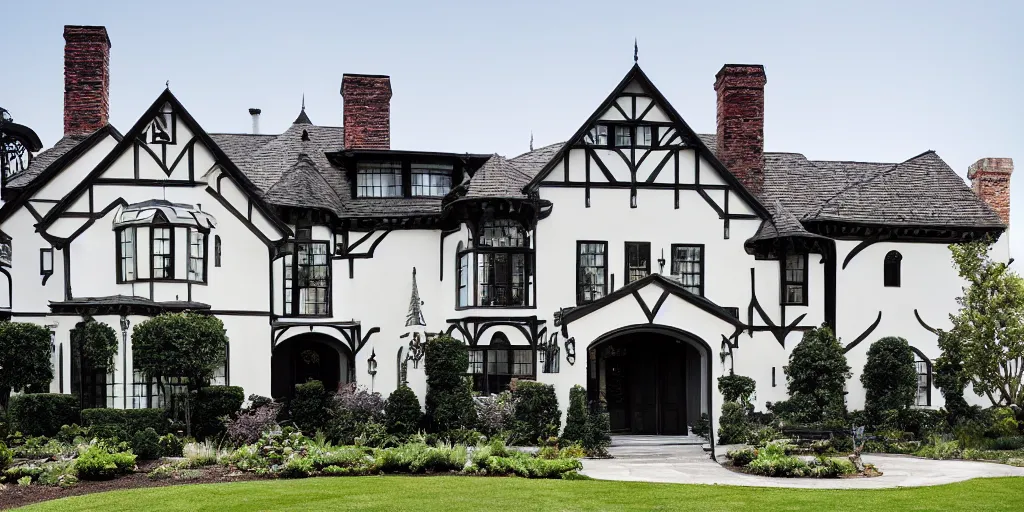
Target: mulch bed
[[17, 496]]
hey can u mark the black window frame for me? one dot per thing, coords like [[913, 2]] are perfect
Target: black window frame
[[153, 255], [629, 133], [480, 356], [292, 292], [202, 258], [462, 277], [119, 258], [364, 168], [892, 269], [216, 250], [636, 135], [430, 169], [628, 268], [920, 359], [593, 136], [701, 262], [518, 246], [786, 282], [166, 110], [579, 284], [44, 253]]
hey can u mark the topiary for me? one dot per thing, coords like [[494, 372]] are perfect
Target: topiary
[[736, 388], [146, 444], [576, 416], [536, 415], [449, 399], [311, 407], [95, 342], [43, 414], [402, 413], [889, 379], [598, 430], [816, 377], [171, 446]]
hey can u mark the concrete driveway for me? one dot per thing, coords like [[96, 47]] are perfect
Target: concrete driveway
[[645, 459]]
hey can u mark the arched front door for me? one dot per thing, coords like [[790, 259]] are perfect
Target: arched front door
[[653, 380], [305, 358]]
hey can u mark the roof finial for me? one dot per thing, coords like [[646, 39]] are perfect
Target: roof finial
[[167, 84], [303, 102], [636, 51], [531, 140]]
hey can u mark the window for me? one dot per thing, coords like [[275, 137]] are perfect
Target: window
[[795, 280], [46, 261], [893, 262], [623, 137], [196, 255], [598, 135], [162, 244], [431, 180], [924, 379], [638, 261], [462, 277], [162, 129], [591, 271], [307, 277], [501, 274], [688, 267], [643, 136], [493, 367], [126, 254], [216, 250], [379, 179]]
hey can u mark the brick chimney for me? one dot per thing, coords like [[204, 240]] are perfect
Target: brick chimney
[[990, 180], [367, 100], [86, 79], [740, 91]]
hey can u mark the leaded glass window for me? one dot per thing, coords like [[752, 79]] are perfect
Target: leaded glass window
[[638, 261], [196, 255], [643, 135], [126, 254], [795, 282], [163, 253], [431, 180], [623, 137], [688, 267], [492, 367], [502, 279], [379, 179], [592, 271]]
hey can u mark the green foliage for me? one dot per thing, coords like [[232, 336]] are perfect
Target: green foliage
[[24, 358], [311, 407], [95, 342], [146, 444], [702, 427], [59, 474], [6, 454], [96, 463], [598, 431], [889, 378], [990, 324], [760, 436], [1002, 443], [402, 413], [950, 377], [189, 345], [537, 415], [375, 435], [171, 445], [938, 448], [576, 416], [449, 400], [732, 425], [353, 409], [211, 406], [43, 414], [742, 457], [816, 375], [124, 423], [736, 388]]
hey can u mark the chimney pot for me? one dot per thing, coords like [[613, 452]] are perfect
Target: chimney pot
[[86, 79], [990, 181], [740, 134], [255, 113], [367, 111]]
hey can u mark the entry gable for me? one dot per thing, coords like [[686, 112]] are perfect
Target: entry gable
[[636, 139]]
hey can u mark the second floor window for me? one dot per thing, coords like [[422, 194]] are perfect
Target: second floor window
[[623, 136], [591, 271], [431, 180], [891, 268], [196, 255], [688, 267], [462, 285], [126, 254], [162, 244], [502, 258], [794, 284], [638, 261], [379, 179], [307, 278]]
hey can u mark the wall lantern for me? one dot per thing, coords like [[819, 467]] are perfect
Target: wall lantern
[[371, 364]]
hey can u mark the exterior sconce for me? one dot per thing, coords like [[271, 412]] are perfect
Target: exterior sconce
[[570, 351], [661, 262], [371, 364]]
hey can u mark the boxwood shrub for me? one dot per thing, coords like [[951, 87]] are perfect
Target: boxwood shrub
[[536, 415], [42, 414]]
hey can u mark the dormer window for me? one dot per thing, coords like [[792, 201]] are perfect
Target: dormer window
[[431, 180], [379, 179], [502, 256]]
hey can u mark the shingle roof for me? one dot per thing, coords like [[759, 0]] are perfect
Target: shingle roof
[[782, 224], [122, 301], [43, 160], [304, 186], [532, 162], [498, 177]]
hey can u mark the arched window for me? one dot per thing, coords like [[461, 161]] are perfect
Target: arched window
[[892, 268], [924, 378], [492, 367]]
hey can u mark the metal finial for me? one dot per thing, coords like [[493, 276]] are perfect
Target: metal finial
[[303, 102], [531, 140], [636, 51], [167, 84]]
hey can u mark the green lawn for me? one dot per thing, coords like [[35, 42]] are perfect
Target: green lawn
[[424, 494]]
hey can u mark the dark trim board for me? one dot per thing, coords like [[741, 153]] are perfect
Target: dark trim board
[[351, 332], [864, 335], [474, 327]]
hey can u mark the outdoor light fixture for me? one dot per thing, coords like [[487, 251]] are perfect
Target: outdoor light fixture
[[371, 364]]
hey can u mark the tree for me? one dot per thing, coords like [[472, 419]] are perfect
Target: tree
[[816, 376], [950, 377], [889, 378], [188, 345], [449, 400], [24, 358], [576, 415], [95, 342], [989, 327]]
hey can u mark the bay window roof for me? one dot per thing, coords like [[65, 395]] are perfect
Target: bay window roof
[[159, 211]]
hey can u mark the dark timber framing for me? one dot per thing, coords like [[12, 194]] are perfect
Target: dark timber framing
[[351, 333], [473, 328]]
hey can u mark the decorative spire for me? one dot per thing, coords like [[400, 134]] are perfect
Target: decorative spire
[[636, 52], [415, 316], [303, 118], [531, 140]]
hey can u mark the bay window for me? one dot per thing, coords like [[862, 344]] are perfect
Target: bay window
[[502, 263], [196, 255], [161, 243], [307, 277]]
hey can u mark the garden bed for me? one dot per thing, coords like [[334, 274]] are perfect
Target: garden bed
[[781, 459]]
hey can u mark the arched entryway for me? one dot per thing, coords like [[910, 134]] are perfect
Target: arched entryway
[[307, 357], [654, 379]]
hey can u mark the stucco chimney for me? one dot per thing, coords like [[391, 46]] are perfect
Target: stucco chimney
[[86, 79], [740, 91], [255, 113], [990, 180], [367, 111]]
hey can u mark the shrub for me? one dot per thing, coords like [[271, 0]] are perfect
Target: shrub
[[732, 425], [211, 405], [761, 436], [937, 448], [742, 457], [496, 413], [43, 414], [780, 465], [702, 427], [6, 455], [72, 433], [250, 425], [124, 423], [449, 400], [1003, 443], [816, 376], [95, 342], [374, 435], [889, 378], [146, 444], [736, 388], [598, 431], [297, 467], [311, 407], [536, 411], [95, 463], [402, 413], [576, 416], [352, 408], [24, 358], [60, 474], [42, 447], [171, 445]]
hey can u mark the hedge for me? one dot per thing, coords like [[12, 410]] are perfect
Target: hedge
[[537, 416], [124, 423], [42, 414], [210, 405]]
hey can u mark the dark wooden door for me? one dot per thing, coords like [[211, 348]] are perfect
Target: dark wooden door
[[657, 391], [644, 392], [617, 393], [672, 392]]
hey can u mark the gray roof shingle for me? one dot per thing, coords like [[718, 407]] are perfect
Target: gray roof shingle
[[44, 159], [498, 177]]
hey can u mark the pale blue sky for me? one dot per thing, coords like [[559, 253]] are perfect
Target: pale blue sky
[[872, 81]]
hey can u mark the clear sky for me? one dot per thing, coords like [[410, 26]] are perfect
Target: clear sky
[[871, 81]]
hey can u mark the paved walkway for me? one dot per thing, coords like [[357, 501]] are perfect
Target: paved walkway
[[649, 461]]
